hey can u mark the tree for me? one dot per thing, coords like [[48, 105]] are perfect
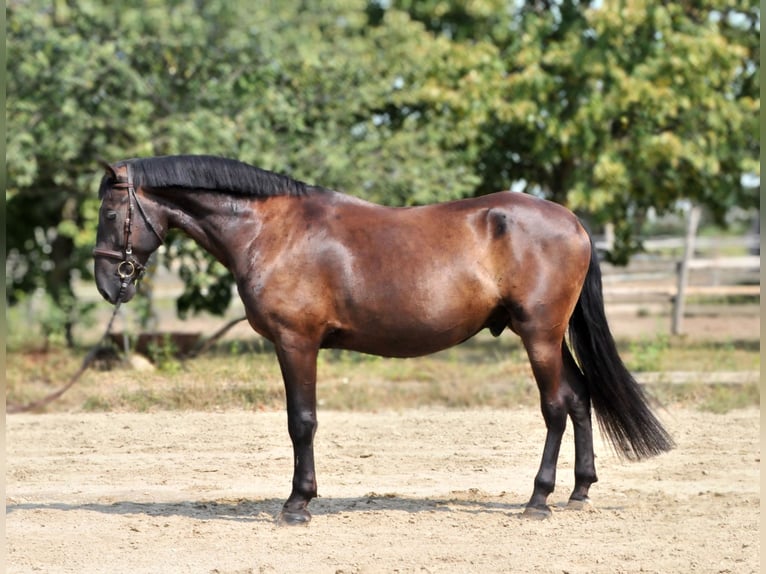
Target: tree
[[613, 108], [65, 88]]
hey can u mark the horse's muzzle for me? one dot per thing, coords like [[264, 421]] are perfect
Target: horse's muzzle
[[115, 291], [114, 296]]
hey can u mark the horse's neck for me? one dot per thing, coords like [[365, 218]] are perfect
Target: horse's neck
[[227, 226], [208, 218]]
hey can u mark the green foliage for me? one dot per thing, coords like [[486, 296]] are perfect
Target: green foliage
[[163, 353], [629, 106], [610, 108], [646, 354]]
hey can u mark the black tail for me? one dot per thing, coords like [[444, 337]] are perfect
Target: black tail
[[622, 408]]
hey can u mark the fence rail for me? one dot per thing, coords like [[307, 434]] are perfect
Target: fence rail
[[744, 262], [750, 242]]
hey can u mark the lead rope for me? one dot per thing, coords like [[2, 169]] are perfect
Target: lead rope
[[16, 408]]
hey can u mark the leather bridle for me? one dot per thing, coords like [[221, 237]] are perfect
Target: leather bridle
[[129, 269]]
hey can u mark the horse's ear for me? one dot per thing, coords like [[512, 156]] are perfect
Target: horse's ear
[[108, 168]]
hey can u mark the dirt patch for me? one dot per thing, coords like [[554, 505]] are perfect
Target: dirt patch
[[413, 491]]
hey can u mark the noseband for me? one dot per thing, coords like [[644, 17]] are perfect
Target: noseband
[[129, 269]]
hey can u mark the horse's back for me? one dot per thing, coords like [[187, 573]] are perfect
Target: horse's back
[[487, 216], [499, 233]]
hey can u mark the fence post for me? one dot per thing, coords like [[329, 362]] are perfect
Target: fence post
[[683, 269]]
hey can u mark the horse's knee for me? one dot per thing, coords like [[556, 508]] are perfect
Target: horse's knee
[[302, 425]]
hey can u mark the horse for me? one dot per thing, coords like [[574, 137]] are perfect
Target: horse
[[316, 268]]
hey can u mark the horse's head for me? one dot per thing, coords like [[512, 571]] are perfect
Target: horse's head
[[129, 231]]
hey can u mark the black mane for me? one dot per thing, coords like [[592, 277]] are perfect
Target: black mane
[[211, 173]]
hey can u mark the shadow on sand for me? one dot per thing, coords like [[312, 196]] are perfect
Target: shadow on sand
[[266, 510]]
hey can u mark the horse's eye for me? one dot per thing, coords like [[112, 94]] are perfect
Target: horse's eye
[[111, 215]]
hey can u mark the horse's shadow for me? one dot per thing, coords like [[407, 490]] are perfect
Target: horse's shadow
[[266, 510]]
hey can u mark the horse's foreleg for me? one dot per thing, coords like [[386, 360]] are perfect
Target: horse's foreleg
[[579, 411], [545, 358], [299, 364]]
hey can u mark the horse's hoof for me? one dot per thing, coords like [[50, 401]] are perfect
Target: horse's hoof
[[537, 512], [300, 517], [584, 505]]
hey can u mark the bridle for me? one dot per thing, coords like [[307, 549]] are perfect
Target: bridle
[[129, 269]]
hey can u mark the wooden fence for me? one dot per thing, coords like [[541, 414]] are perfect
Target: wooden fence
[[665, 274]]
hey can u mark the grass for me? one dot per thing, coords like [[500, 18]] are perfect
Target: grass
[[484, 372], [665, 353], [718, 399], [740, 299]]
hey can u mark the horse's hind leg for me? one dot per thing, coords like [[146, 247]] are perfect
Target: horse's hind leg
[[545, 356], [578, 401], [563, 392]]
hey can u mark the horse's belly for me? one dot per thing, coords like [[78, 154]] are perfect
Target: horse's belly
[[423, 317], [403, 337], [390, 347]]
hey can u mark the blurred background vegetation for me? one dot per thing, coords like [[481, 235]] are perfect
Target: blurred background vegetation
[[614, 109]]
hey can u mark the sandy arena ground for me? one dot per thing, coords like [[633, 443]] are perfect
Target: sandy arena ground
[[412, 491]]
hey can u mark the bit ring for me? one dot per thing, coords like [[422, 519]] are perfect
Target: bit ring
[[126, 269]]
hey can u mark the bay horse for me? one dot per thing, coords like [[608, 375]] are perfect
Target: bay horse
[[320, 269]]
